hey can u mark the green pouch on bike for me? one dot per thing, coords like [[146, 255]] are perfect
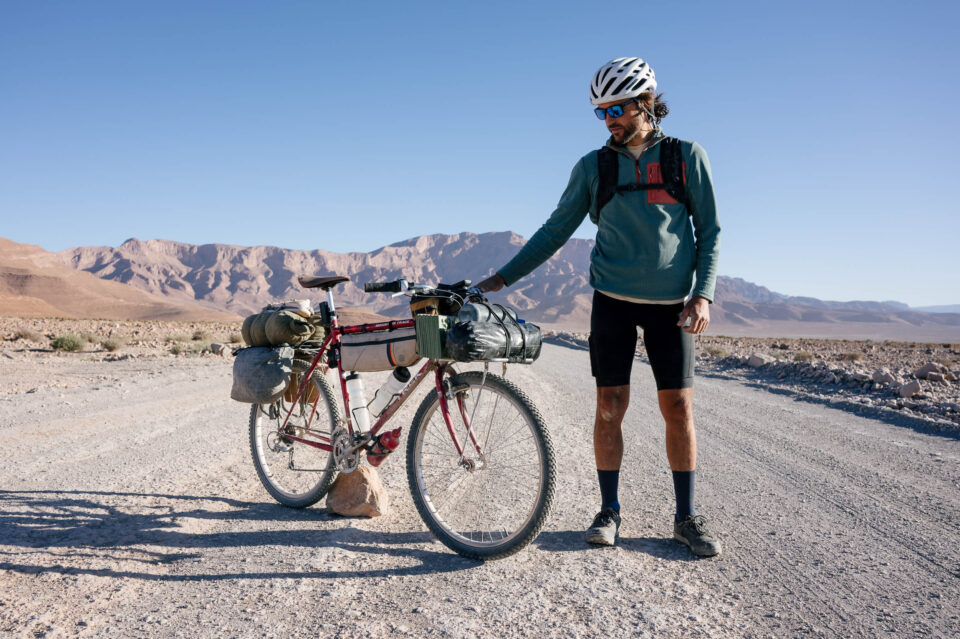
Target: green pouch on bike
[[431, 335], [261, 374]]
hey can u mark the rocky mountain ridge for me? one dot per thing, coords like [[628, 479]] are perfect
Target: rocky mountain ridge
[[36, 283], [242, 279]]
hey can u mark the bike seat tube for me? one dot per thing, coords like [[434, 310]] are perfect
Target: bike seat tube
[[333, 307]]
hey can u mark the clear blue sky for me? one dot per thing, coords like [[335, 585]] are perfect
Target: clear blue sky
[[832, 127]]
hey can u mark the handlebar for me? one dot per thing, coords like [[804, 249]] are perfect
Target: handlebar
[[461, 289], [397, 286]]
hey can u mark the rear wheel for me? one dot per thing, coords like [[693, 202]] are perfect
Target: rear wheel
[[494, 499], [295, 474]]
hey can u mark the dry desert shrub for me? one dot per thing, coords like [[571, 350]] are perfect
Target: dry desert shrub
[[235, 338], [803, 356], [851, 357], [716, 351], [27, 334], [89, 338], [188, 349], [112, 344], [70, 342], [178, 337], [199, 335]]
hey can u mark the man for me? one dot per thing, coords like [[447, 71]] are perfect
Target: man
[[642, 269]]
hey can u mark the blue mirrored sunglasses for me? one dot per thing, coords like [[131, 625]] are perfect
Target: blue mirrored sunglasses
[[614, 111]]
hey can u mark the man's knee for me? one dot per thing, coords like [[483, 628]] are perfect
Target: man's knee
[[676, 405], [612, 402]]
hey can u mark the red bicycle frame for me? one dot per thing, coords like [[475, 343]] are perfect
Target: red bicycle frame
[[332, 341]]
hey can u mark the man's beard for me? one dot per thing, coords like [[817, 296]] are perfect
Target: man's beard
[[630, 131]]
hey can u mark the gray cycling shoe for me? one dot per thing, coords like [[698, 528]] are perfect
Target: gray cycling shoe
[[693, 532], [605, 527]]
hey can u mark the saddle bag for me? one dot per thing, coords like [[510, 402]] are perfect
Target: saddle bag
[[379, 351], [261, 374]]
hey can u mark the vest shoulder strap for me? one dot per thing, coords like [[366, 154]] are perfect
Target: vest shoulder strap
[[607, 168], [671, 172]]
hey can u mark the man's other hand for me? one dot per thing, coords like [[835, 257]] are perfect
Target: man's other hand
[[697, 311], [492, 284]]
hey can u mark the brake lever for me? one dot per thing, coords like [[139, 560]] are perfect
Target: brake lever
[[474, 294]]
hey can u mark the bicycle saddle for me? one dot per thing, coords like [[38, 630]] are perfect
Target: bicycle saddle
[[316, 281]]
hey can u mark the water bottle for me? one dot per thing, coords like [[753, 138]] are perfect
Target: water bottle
[[483, 313], [358, 403], [385, 444], [395, 383]]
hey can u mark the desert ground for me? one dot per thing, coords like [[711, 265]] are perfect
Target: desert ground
[[131, 506]]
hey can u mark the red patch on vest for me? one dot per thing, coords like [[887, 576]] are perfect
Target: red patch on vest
[[660, 196]]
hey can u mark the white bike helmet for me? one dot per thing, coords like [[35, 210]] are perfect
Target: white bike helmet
[[621, 79]]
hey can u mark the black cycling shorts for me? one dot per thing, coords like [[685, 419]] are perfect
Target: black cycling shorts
[[613, 342]]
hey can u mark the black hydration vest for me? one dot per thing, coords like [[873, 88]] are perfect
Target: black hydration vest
[[671, 171]]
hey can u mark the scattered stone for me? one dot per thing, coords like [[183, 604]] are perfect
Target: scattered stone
[[760, 359], [926, 369], [910, 389], [861, 377], [358, 494], [936, 377], [883, 376]]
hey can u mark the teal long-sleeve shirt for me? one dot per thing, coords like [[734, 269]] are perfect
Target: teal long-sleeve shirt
[[646, 246]]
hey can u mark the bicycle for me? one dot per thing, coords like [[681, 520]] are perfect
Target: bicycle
[[480, 463]]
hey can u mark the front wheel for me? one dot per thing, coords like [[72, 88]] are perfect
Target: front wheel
[[493, 500], [295, 474]]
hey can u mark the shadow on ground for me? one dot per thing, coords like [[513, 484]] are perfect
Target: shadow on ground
[[573, 541], [93, 533]]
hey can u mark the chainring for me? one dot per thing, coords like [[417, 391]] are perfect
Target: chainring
[[342, 442]]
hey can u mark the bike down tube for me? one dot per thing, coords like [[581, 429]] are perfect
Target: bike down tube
[[399, 400]]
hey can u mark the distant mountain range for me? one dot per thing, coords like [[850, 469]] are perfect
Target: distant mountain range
[[37, 283], [949, 308], [240, 280]]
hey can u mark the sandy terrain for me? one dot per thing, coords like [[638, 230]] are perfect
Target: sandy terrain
[[131, 508]]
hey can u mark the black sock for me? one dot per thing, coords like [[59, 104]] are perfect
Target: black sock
[[683, 481], [609, 481]]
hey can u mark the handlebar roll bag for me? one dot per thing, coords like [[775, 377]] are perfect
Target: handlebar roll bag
[[261, 374], [507, 339], [380, 351]]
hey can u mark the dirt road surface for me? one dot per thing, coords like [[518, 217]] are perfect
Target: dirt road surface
[[130, 508]]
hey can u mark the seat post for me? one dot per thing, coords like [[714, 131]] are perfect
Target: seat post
[[333, 308]]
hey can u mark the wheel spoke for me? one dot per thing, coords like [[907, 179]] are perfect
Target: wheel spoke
[[491, 506], [301, 475]]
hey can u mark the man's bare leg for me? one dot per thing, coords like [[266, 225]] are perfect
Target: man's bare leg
[[612, 402], [676, 406]]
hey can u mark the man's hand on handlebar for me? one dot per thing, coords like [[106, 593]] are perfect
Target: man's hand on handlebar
[[492, 284]]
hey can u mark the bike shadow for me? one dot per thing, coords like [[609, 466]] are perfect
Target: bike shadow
[[109, 534], [572, 540]]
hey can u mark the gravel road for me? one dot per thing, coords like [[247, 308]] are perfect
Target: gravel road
[[130, 508]]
